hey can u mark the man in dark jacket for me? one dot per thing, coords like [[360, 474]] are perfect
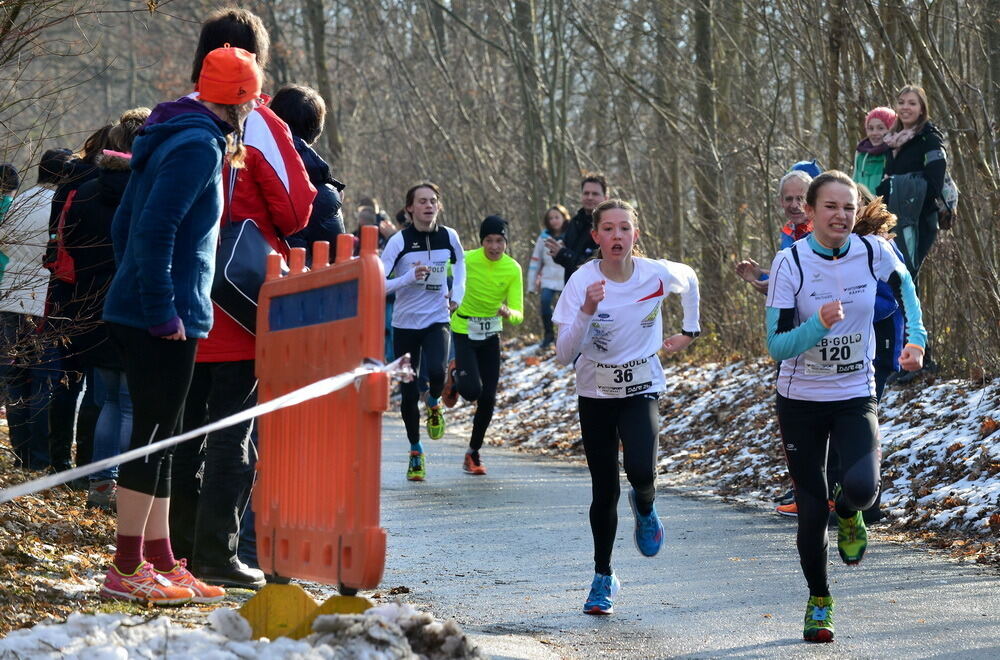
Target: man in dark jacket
[[576, 245]]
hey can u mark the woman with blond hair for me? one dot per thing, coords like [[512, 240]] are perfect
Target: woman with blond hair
[[544, 274], [164, 235]]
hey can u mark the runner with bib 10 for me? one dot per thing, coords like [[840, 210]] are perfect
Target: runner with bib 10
[[610, 327], [493, 293], [820, 306]]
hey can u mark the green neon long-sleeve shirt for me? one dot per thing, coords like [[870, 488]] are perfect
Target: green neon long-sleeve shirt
[[489, 284]]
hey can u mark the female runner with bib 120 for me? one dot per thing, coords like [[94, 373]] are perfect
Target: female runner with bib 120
[[820, 306], [610, 326]]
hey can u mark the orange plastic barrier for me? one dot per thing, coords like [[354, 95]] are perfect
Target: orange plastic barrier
[[317, 495]]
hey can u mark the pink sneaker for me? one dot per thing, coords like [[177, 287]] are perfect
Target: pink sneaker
[[180, 576], [144, 585]]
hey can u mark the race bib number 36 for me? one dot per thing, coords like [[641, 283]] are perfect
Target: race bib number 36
[[436, 278], [619, 380], [841, 354], [482, 328]]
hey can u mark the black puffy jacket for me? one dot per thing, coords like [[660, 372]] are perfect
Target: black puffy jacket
[[88, 240], [913, 157], [326, 221], [578, 246]]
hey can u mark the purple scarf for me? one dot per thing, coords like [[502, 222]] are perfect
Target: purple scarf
[[866, 147]]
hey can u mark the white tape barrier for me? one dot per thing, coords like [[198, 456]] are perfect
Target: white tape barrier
[[400, 368]]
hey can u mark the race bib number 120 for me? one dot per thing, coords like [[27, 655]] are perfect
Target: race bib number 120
[[841, 354]]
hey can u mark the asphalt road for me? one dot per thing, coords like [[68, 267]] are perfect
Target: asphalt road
[[509, 556]]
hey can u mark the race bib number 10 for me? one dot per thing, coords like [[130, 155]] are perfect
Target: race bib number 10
[[620, 380], [483, 328], [841, 354]]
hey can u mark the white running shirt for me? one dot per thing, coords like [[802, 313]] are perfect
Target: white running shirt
[[840, 365], [617, 345]]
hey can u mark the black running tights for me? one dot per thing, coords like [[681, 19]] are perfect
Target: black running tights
[[430, 344], [477, 364], [158, 372], [808, 428], [603, 422]]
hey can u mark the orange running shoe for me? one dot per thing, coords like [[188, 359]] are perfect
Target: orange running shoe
[[473, 465], [180, 576], [144, 585], [788, 509], [449, 396], [793, 509]]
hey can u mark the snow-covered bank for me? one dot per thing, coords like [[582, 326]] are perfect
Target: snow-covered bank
[[718, 432], [385, 632]]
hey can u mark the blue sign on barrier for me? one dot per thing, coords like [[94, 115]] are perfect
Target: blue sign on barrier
[[323, 305]]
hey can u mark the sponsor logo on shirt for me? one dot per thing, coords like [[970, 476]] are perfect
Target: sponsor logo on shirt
[[851, 290], [650, 319], [821, 295], [849, 368], [600, 337]]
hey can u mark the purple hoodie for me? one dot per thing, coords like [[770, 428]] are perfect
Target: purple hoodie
[[170, 109]]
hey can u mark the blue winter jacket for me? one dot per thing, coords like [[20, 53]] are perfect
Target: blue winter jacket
[[166, 229]]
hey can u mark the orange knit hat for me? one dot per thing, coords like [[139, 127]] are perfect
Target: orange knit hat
[[229, 76]]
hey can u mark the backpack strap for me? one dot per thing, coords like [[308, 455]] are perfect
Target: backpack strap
[[62, 218], [798, 264], [871, 257]]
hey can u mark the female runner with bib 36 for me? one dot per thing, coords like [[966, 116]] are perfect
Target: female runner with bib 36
[[611, 328]]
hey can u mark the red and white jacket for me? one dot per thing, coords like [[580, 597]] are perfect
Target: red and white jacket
[[274, 190]]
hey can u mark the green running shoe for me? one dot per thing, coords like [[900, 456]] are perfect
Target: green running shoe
[[417, 468], [852, 538], [819, 619], [435, 422]]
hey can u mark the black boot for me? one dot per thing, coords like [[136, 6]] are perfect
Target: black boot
[[234, 574]]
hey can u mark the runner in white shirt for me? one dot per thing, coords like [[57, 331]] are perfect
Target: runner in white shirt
[[820, 306], [610, 326], [416, 261]]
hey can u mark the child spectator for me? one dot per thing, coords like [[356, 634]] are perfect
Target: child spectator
[[869, 161], [544, 274], [304, 110]]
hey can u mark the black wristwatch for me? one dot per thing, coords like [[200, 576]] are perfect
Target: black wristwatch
[[692, 335]]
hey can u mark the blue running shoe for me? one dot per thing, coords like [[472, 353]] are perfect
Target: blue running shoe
[[603, 590], [648, 529]]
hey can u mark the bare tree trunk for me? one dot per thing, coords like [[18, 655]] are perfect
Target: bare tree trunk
[[707, 171], [831, 104], [668, 184], [316, 16], [278, 67], [991, 25], [526, 59]]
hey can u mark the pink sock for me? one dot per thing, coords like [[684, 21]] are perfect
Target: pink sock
[[128, 553], [159, 554]]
